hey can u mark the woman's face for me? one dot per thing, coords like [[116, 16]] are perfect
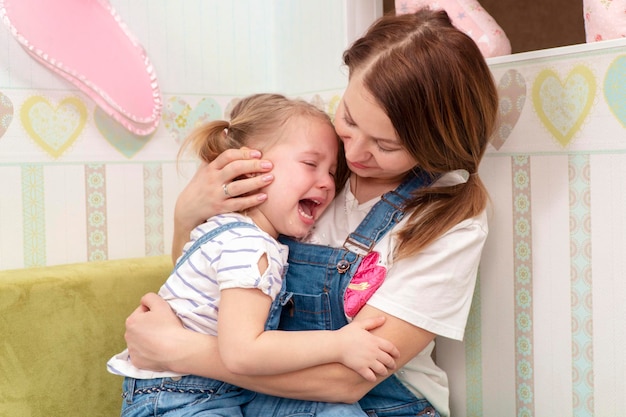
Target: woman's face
[[372, 147]]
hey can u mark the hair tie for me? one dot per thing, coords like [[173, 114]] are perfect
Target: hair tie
[[465, 174]]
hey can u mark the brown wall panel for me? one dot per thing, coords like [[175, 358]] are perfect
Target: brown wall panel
[[534, 24], [531, 25]]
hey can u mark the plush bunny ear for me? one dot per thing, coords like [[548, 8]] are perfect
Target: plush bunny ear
[[604, 20], [471, 18], [87, 43]]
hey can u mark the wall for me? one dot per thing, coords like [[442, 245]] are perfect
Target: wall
[[538, 25], [76, 186], [546, 336]]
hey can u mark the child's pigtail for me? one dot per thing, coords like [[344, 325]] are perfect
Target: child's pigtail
[[208, 141]]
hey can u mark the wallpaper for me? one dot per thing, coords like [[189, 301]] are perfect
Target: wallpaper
[[546, 334], [76, 184]]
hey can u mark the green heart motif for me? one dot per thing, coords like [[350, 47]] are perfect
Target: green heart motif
[[563, 106], [615, 88], [127, 143]]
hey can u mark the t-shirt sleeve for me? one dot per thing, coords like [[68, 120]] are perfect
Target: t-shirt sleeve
[[237, 265], [433, 290]]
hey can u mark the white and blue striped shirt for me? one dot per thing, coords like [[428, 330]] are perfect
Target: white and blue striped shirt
[[229, 260]]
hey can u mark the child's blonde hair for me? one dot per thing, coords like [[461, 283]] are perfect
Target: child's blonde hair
[[255, 122]]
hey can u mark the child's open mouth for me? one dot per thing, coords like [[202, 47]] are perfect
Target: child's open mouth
[[307, 207]]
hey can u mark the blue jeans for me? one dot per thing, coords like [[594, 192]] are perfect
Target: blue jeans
[[182, 396], [267, 405]]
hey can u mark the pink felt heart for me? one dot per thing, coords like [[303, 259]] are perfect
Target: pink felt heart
[[88, 44], [366, 280]]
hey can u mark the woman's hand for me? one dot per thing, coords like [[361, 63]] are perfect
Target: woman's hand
[[229, 183], [152, 334]]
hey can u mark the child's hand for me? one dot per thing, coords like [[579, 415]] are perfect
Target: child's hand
[[365, 353]]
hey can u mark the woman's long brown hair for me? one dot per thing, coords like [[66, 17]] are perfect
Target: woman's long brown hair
[[436, 88]]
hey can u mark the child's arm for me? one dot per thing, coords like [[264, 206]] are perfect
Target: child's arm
[[246, 348]]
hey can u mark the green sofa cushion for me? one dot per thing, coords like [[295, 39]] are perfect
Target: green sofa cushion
[[58, 327]]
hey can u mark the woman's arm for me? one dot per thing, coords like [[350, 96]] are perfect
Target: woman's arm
[[157, 341], [203, 196], [246, 348]]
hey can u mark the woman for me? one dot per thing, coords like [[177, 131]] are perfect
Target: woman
[[414, 121]]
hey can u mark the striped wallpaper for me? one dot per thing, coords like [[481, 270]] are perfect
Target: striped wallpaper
[[546, 335]]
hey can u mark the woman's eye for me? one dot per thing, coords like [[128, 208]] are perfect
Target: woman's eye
[[386, 148], [348, 121], [309, 163]]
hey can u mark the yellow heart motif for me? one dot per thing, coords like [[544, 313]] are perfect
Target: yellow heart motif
[[53, 129], [563, 107]]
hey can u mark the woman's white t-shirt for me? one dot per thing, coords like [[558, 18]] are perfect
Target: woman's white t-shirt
[[431, 290]]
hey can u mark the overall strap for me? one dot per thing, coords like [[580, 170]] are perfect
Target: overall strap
[[384, 215], [208, 236]]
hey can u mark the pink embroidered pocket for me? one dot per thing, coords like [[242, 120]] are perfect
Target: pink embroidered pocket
[[367, 279]]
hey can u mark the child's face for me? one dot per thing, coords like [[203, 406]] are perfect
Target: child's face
[[305, 161]]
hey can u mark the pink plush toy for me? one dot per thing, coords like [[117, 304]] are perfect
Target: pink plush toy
[[471, 18], [604, 19]]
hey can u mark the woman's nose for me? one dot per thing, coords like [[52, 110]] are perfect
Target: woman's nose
[[355, 148]]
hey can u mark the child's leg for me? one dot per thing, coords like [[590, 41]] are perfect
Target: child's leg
[[183, 396], [137, 403], [339, 410], [266, 405]]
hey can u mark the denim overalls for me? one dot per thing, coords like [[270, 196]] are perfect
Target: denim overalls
[[316, 281]]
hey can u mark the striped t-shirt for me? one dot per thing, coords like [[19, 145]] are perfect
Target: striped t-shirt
[[229, 260]]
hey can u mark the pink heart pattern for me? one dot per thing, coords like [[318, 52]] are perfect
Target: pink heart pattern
[[512, 92], [6, 113], [366, 280]]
